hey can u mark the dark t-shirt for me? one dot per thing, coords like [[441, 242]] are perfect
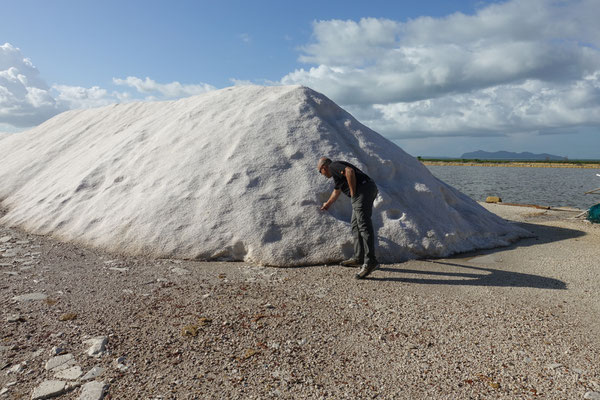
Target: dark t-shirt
[[337, 168]]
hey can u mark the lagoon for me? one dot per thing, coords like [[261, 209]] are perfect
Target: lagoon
[[555, 187]]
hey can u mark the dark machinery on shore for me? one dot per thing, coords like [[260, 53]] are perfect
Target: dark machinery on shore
[[593, 214]]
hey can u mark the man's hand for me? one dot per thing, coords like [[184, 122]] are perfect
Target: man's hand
[[334, 195]]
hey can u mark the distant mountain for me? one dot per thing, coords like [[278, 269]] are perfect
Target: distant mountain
[[507, 155]]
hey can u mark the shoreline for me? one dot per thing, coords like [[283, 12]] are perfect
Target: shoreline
[[513, 164]]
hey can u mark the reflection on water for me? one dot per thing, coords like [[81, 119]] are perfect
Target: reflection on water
[[564, 187]]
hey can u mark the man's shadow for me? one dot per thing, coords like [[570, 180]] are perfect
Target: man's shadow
[[460, 273]]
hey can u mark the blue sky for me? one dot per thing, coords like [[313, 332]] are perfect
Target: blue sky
[[437, 77]]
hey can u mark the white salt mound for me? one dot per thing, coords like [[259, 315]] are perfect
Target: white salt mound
[[230, 175]]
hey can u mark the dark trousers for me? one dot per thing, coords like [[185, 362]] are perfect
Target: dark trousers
[[363, 234]]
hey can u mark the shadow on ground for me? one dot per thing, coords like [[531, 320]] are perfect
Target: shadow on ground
[[472, 276], [456, 271]]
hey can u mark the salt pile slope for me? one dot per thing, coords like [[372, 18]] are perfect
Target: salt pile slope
[[229, 174]]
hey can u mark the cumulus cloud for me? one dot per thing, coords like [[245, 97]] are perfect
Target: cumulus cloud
[[517, 65], [163, 90], [25, 98]]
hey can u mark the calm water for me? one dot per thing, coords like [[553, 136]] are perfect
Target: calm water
[[564, 187]]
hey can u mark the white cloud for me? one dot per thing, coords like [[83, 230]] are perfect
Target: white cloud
[[25, 99], [164, 90], [514, 66], [79, 97]]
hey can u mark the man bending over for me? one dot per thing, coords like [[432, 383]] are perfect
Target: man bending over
[[362, 191]]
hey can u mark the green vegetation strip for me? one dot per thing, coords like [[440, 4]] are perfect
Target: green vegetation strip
[[510, 163]]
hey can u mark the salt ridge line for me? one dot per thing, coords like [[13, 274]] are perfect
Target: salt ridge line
[[230, 175]]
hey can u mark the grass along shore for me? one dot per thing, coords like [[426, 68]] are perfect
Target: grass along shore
[[506, 163]]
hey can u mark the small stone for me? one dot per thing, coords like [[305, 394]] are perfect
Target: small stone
[[67, 317], [592, 396], [62, 362], [5, 239], [16, 369], [180, 271], [15, 318], [30, 297], [57, 351], [49, 389], [93, 373], [93, 391], [554, 366], [189, 330], [269, 305], [120, 360], [3, 391], [97, 346], [124, 269], [37, 353], [22, 242], [493, 199], [11, 273], [69, 374], [119, 363], [249, 353], [5, 265]]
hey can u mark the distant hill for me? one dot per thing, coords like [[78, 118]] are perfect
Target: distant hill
[[507, 155]]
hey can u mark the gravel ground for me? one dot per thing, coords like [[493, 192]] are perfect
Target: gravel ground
[[510, 323]]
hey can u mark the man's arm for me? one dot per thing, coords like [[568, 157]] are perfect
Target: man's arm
[[351, 178], [334, 196]]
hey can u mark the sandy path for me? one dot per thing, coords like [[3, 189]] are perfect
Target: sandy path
[[505, 323]]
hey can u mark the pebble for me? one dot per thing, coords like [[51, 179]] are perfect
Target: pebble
[[14, 318], [592, 396], [3, 265], [30, 297], [57, 351], [62, 362], [37, 353], [5, 239], [69, 374], [180, 271], [124, 269], [93, 373], [97, 346], [3, 391], [93, 391], [554, 366], [119, 363], [16, 369], [49, 389]]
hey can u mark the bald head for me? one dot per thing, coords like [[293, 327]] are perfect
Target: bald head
[[323, 167], [323, 161]]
